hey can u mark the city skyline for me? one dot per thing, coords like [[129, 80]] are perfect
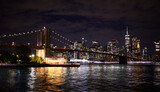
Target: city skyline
[[130, 42], [93, 20], [80, 45]]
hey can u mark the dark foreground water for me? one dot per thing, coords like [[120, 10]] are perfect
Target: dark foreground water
[[88, 78]]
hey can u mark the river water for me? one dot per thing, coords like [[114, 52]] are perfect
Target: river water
[[88, 78]]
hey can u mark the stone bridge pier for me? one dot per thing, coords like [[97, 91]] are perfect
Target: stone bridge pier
[[122, 60], [43, 39]]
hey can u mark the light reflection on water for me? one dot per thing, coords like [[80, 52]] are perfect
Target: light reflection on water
[[100, 77]]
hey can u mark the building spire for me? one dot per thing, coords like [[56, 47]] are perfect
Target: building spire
[[127, 30]]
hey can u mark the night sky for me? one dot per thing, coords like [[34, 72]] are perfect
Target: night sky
[[100, 20]]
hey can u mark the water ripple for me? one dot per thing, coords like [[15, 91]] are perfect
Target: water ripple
[[92, 78]]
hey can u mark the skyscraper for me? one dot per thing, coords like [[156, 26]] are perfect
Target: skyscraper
[[135, 46], [157, 51], [145, 53], [96, 46], [84, 44], [157, 46], [112, 46], [75, 45], [138, 48], [127, 41]]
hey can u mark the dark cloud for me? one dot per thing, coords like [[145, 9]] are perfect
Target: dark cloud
[[100, 20]]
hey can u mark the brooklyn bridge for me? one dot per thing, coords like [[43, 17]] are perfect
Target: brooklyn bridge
[[45, 47]]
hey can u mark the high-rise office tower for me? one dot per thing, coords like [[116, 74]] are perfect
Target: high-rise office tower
[[145, 53], [157, 46], [127, 41], [135, 46], [157, 51], [115, 46], [84, 44], [95, 46], [138, 48], [112, 46]]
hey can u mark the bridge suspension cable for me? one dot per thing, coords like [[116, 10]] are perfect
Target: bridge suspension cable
[[19, 34], [60, 41], [66, 39], [58, 37]]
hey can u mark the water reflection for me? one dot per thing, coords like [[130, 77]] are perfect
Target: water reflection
[[131, 78], [32, 78], [11, 79], [46, 78], [157, 76]]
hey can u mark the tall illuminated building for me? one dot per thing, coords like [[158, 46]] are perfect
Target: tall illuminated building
[[71, 46], [157, 46], [157, 51], [109, 46], [135, 46], [138, 48], [96, 46], [115, 46], [112, 46], [127, 41], [145, 53], [75, 47], [84, 44]]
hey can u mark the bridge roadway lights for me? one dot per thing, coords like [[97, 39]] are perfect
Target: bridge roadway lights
[[122, 60]]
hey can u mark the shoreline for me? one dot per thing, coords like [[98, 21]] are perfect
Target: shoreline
[[40, 65]]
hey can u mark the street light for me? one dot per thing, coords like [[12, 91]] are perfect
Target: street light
[[31, 55]]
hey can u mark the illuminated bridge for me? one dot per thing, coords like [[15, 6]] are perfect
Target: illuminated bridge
[[44, 47]]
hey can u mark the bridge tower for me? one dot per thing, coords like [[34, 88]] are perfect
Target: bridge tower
[[43, 39], [122, 59]]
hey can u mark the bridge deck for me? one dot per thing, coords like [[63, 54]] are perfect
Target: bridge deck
[[65, 49]]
